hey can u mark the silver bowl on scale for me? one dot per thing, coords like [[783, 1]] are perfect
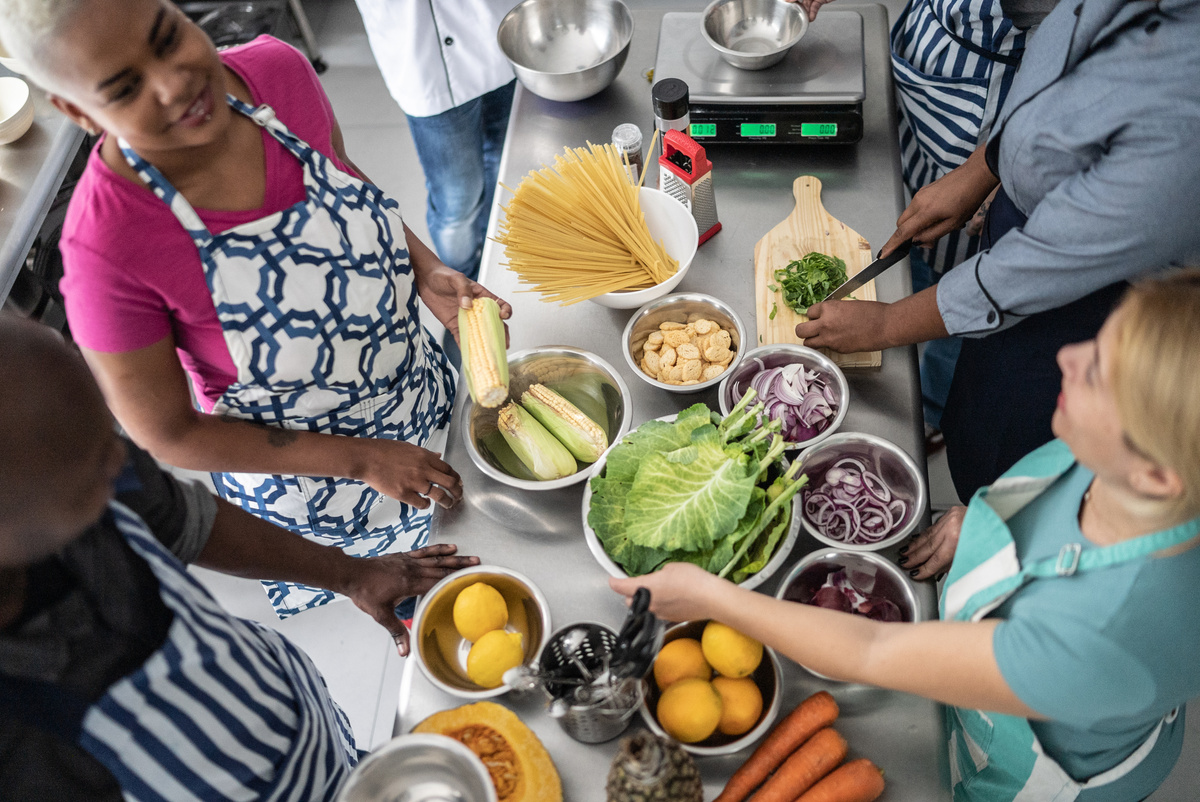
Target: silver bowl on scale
[[753, 34]]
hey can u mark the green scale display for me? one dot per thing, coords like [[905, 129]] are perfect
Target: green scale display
[[814, 96]]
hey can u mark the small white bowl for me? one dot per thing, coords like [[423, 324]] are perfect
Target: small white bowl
[[669, 221], [766, 357], [597, 548], [16, 109], [896, 468], [681, 307], [12, 64]]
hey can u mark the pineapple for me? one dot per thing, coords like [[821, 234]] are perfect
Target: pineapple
[[652, 769]]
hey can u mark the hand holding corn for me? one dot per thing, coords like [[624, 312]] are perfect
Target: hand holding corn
[[446, 291]]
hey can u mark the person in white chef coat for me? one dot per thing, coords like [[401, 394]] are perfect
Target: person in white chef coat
[[443, 66]]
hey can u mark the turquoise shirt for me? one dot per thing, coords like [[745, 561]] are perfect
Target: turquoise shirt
[[1103, 654]]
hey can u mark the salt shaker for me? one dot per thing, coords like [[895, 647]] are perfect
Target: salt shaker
[[627, 139]]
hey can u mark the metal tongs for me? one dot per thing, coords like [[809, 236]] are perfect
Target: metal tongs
[[619, 685]]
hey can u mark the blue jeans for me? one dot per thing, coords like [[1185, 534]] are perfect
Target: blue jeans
[[460, 151], [939, 356]]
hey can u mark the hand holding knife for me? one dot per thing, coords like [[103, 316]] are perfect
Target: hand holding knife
[[871, 271]]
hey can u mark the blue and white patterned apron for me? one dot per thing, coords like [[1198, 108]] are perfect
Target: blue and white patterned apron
[[953, 62], [318, 307], [226, 709], [994, 757]]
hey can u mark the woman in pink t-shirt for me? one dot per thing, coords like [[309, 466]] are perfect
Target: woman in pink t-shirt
[[220, 232]]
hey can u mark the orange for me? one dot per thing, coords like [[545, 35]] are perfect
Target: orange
[[680, 659], [741, 704], [730, 652], [689, 710]]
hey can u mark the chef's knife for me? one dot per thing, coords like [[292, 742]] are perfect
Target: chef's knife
[[870, 271]]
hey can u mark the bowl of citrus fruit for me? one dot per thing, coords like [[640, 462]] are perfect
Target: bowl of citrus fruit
[[476, 624], [713, 689]]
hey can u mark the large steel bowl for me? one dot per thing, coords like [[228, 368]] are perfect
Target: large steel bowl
[[566, 49], [734, 382], [682, 307], [420, 768], [894, 467], [442, 653], [768, 677], [584, 379], [753, 34]]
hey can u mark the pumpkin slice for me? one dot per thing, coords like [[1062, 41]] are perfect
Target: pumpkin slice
[[521, 768]]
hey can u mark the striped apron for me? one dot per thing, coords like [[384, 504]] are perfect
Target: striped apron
[[318, 307], [953, 62], [224, 710], [994, 757]]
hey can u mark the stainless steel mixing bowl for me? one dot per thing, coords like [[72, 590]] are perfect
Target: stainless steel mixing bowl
[[583, 378], [442, 653], [682, 307], [420, 768], [753, 34], [566, 49]]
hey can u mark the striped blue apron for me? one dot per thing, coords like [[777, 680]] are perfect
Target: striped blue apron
[[226, 709], [953, 62], [318, 307], [994, 757]]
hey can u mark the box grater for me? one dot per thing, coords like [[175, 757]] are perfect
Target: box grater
[[685, 173]]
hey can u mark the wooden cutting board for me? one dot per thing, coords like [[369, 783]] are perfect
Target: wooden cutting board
[[808, 228]]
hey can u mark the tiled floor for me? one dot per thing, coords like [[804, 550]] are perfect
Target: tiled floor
[[377, 140]]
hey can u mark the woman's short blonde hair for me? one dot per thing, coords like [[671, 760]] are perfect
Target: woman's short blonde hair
[[1156, 377], [27, 25]]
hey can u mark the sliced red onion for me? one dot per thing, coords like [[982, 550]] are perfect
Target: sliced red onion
[[804, 401], [852, 594], [853, 505]]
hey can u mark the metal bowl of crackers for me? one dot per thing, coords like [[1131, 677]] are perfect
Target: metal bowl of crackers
[[683, 343]]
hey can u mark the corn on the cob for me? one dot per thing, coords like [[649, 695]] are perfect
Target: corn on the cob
[[582, 436], [485, 364], [540, 452]]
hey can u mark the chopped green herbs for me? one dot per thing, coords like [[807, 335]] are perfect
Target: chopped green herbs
[[808, 280], [774, 311]]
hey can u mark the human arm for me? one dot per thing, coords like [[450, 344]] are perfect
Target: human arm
[[147, 391], [948, 661], [243, 545]]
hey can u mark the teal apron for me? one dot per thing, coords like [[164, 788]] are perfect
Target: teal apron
[[994, 757]]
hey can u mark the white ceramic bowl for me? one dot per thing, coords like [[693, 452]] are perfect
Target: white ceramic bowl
[[669, 221], [773, 356], [597, 548], [442, 653], [768, 677], [896, 468], [16, 109], [681, 307], [12, 64]]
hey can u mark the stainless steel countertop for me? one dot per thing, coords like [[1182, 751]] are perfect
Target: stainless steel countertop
[[31, 170], [540, 534]]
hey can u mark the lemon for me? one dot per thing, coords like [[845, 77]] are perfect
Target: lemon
[[730, 652], [689, 710], [493, 654], [680, 659], [741, 704], [479, 609]]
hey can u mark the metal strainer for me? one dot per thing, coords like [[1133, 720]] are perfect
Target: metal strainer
[[591, 705]]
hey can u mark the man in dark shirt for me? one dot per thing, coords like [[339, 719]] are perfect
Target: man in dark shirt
[[86, 604]]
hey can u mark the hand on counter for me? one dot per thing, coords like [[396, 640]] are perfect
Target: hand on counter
[[379, 584], [931, 552], [407, 473]]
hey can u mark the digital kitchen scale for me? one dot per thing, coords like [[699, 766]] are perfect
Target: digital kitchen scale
[[814, 96]]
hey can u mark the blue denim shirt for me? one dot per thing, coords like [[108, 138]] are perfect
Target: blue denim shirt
[[1099, 144]]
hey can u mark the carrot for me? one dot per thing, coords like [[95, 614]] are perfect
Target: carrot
[[814, 713], [818, 756], [857, 781]]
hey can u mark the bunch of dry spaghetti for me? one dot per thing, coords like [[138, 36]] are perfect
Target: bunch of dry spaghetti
[[576, 231]]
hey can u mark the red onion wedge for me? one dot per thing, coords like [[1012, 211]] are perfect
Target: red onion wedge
[[805, 401], [853, 505], [851, 592]]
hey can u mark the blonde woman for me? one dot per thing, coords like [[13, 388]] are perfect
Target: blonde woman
[[221, 238], [1067, 645]]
